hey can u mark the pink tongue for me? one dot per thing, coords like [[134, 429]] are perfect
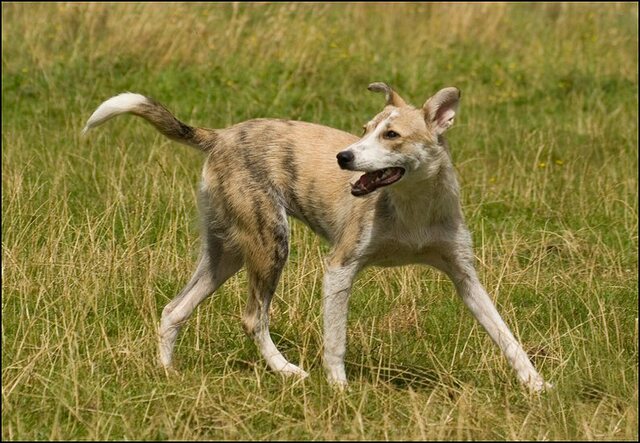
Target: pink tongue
[[367, 179]]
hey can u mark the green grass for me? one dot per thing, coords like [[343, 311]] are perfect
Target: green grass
[[98, 234]]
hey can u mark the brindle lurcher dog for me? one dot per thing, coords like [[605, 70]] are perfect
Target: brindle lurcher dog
[[405, 208]]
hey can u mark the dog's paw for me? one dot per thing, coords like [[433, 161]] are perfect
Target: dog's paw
[[539, 385], [339, 385], [169, 370], [290, 370]]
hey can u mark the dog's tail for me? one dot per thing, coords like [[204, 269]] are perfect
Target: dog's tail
[[154, 113]]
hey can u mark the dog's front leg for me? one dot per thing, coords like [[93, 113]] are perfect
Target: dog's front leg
[[336, 288], [475, 297]]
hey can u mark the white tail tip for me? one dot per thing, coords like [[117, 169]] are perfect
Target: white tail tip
[[119, 104]]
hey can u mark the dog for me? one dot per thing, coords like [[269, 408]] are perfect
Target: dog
[[387, 198]]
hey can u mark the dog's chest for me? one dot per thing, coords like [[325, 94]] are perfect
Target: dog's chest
[[397, 245]]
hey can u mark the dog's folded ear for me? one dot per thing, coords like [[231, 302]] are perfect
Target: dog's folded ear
[[440, 110], [390, 95]]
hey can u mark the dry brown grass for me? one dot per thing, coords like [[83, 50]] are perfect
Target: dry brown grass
[[97, 235]]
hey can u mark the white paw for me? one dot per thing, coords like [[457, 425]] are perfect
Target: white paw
[[164, 359], [292, 370], [340, 385], [539, 385], [337, 377]]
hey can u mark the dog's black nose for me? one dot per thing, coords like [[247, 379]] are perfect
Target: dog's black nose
[[344, 158]]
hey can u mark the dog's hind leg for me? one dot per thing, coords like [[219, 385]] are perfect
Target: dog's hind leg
[[265, 258], [214, 267]]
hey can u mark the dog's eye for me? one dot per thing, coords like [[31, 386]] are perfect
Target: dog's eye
[[391, 134], [364, 129]]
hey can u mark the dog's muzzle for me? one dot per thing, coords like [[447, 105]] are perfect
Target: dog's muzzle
[[369, 181]]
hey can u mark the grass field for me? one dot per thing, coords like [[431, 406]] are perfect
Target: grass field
[[99, 233]]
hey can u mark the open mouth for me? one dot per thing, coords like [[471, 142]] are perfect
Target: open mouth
[[371, 181]]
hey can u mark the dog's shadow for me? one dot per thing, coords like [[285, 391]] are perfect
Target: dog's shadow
[[401, 376]]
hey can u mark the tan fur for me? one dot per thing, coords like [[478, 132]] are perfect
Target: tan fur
[[259, 171]]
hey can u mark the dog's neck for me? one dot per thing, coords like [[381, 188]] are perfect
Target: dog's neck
[[431, 197]]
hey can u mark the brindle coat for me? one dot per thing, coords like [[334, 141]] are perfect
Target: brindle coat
[[260, 171]]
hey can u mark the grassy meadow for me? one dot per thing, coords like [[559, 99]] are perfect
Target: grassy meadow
[[100, 232]]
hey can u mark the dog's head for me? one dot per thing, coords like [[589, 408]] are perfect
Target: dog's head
[[401, 141]]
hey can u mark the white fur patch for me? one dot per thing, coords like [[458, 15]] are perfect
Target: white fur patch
[[370, 154], [119, 104]]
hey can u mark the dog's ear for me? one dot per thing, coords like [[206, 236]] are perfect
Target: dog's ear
[[440, 110], [390, 95]]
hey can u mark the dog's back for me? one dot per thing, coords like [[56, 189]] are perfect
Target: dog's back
[[291, 162]]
